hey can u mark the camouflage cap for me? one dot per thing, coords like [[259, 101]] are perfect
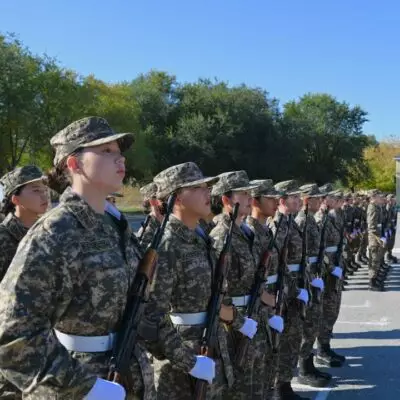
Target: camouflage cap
[[374, 192], [86, 132], [148, 191], [20, 177], [338, 194], [288, 188], [180, 176], [265, 188], [390, 196], [347, 195], [234, 181], [326, 189], [310, 190]]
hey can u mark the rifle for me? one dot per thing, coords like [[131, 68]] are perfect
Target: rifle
[[316, 293], [303, 278], [209, 338], [280, 285], [144, 225], [137, 296], [255, 293]]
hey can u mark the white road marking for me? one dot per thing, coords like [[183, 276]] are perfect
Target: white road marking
[[322, 394], [366, 304], [384, 321]]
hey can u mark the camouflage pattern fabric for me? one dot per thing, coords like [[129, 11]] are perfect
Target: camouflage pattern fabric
[[147, 236], [249, 383], [333, 290], [374, 244], [148, 191], [182, 284], [69, 274], [392, 222], [314, 310], [234, 181]]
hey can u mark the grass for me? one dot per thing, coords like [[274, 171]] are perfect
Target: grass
[[132, 200]]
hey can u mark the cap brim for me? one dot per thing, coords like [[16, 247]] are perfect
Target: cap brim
[[41, 179], [209, 181], [125, 141], [245, 188]]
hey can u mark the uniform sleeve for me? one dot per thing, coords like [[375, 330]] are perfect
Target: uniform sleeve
[[373, 220], [156, 326], [5, 257], [35, 292], [146, 238]]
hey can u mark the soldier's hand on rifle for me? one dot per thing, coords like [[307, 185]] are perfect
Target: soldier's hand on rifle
[[249, 328], [105, 390], [276, 322], [303, 296], [204, 369], [337, 272], [318, 283]]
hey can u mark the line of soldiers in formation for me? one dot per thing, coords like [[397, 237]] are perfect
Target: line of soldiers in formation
[[65, 276]]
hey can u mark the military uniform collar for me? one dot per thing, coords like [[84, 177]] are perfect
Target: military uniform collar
[[225, 219], [180, 229], [14, 226], [86, 215]]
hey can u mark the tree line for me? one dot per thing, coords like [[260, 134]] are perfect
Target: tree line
[[221, 127]]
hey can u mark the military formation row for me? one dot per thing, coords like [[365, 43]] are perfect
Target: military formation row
[[275, 257]]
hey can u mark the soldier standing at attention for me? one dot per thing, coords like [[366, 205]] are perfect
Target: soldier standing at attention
[[308, 374], [392, 222], [376, 242], [176, 313], [234, 187], [333, 279], [154, 214], [286, 361], [65, 291]]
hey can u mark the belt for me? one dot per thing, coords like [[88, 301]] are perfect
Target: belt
[[271, 279], [313, 260], [198, 318], [331, 249], [86, 344], [241, 301], [294, 267]]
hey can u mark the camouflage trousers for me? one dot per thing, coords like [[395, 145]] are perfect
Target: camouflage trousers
[[8, 390], [332, 300], [311, 327], [363, 244], [290, 342], [375, 260], [174, 384], [250, 383], [390, 242]]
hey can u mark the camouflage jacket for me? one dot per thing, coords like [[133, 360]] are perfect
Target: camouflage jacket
[[182, 284], [348, 215], [392, 216], [374, 222], [11, 233], [358, 217], [147, 236], [69, 274]]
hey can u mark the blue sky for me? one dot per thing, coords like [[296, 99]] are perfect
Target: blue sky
[[348, 48]]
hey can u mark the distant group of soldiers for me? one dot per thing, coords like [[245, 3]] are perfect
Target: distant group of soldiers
[[249, 277]]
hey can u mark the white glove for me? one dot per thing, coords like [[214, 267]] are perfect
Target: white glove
[[338, 272], [276, 322], [303, 296], [204, 369], [249, 328], [383, 239], [318, 283], [106, 390]]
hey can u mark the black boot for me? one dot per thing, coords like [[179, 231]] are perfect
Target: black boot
[[376, 286], [309, 375], [329, 357], [284, 391]]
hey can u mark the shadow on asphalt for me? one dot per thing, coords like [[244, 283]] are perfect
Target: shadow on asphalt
[[375, 369], [393, 334]]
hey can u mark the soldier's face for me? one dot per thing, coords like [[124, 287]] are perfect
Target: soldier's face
[[196, 200], [314, 203], [33, 198], [244, 200], [293, 203], [103, 167], [268, 206]]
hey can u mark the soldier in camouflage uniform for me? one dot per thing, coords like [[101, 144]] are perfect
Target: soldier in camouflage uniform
[[296, 298], [392, 223], [65, 291], [176, 312], [308, 374], [364, 229], [376, 242], [333, 279], [234, 187], [154, 210]]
